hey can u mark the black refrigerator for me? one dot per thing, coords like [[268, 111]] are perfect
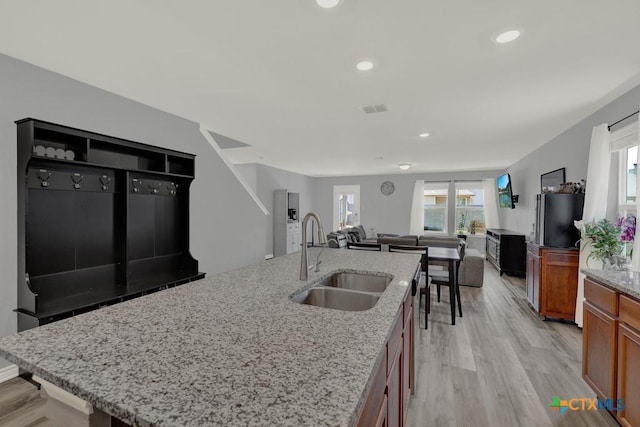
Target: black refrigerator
[[555, 213]]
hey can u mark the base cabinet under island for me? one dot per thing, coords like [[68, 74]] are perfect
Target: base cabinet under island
[[611, 349], [388, 396]]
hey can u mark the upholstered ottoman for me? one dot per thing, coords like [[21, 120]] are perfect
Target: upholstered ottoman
[[471, 271]]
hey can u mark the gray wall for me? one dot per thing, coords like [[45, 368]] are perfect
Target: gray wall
[[264, 180], [387, 214], [569, 150], [225, 222]]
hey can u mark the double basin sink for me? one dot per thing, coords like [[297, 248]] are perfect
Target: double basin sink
[[345, 291]]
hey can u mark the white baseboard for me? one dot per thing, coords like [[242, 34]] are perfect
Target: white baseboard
[[8, 373], [268, 256]]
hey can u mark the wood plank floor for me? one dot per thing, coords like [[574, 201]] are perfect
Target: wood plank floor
[[21, 405], [499, 366]]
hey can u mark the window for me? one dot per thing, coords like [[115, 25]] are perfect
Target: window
[[435, 206], [346, 206], [629, 171], [470, 208], [625, 141]]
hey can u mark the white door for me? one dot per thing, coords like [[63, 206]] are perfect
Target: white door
[[346, 206]]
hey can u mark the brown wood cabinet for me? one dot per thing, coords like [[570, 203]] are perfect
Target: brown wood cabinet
[[406, 363], [388, 396], [599, 351], [611, 348], [533, 276], [629, 361], [552, 280], [394, 392]]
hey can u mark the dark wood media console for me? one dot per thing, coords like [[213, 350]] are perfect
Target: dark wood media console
[[506, 251], [100, 220]]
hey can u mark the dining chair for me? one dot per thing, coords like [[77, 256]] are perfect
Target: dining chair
[[440, 276], [364, 246], [423, 290]]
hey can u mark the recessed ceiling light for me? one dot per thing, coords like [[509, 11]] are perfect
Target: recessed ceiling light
[[404, 166], [364, 65], [328, 4], [508, 36], [424, 135]]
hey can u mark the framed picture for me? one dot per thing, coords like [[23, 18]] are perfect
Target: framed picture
[[550, 182]]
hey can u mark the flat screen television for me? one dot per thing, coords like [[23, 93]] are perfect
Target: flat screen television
[[505, 196]]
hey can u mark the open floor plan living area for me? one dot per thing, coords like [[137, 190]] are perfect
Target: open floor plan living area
[[319, 213]]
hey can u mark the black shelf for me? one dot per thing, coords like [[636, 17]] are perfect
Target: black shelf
[[67, 306], [97, 232], [51, 160]]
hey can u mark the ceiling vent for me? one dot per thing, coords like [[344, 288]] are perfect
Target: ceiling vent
[[378, 108]]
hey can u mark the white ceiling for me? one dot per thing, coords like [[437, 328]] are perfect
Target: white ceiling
[[280, 75]]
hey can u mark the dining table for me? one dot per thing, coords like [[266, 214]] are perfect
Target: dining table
[[452, 257]]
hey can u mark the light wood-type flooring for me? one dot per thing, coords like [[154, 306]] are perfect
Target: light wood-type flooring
[[21, 405], [500, 365]]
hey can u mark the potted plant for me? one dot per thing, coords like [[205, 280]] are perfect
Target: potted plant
[[461, 222], [604, 239], [472, 226], [627, 232]]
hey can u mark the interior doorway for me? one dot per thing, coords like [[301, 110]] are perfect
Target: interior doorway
[[346, 206]]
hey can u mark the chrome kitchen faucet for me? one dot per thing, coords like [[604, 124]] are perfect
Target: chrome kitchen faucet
[[322, 239]]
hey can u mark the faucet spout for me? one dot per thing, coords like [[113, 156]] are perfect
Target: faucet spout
[[322, 239]]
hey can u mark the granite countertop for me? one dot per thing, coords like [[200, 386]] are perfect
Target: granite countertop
[[230, 349], [627, 282]]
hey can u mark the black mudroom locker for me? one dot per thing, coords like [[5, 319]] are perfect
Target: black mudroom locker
[[100, 220]]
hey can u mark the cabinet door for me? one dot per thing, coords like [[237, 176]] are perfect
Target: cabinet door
[[297, 240], [406, 364], [628, 369], [394, 393], [533, 280], [536, 283], [599, 351], [289, 240], [376, 400], [530, 277], [559, 283], [382, 415]]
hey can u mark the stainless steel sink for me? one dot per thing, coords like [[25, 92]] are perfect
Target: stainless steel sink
[[357, 282], [338, 299]]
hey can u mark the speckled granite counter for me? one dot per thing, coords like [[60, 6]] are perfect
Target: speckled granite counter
[[626, 282], [231, 349]]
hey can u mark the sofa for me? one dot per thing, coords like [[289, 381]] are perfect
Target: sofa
[[408, 240], [439, 241], [360, 234]]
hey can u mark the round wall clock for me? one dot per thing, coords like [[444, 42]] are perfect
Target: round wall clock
[[387, 188]]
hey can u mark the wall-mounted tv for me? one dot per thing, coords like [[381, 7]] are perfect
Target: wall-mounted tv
[[505, 196]]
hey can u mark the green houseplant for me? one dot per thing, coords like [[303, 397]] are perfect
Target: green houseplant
[[472, 226], [604, 239], [462, 220]]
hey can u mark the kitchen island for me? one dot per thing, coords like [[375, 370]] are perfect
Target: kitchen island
[[230, 349]]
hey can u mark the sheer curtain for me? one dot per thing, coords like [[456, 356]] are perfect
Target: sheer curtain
[[595, 200], [416, 221], [635, 256], [491, 216]]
